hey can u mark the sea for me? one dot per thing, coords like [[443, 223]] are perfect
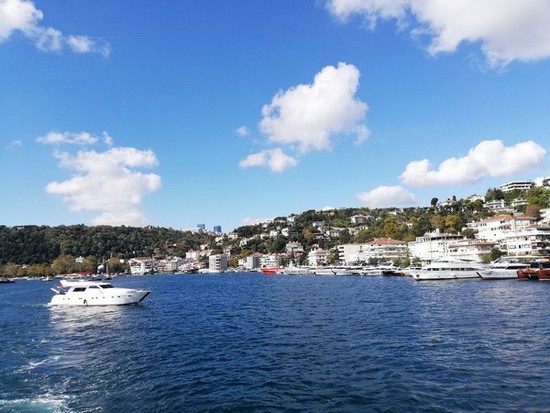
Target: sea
[[257, 343]]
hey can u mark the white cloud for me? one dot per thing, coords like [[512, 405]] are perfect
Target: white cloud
[[276, 160], [307, 116], [254, 221], [489, 158], [242, 131], [78, 138], [387, 196], [107, 182], [22, 16], [506, 30]]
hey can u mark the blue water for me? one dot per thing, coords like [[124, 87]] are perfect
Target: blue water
[[254, 343]]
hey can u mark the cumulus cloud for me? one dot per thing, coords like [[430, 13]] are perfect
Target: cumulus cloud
[[488, 159], [506, 30], [21, 16], [78, 138], [387, 196], [276, 160], [108, 182], [242, 131], [308, 116]]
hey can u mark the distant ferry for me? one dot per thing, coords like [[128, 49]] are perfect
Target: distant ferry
[[447, 270]]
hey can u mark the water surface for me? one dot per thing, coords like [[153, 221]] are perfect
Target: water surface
[[254, 343]]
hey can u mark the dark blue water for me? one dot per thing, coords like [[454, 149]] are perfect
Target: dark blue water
[[254, 343]]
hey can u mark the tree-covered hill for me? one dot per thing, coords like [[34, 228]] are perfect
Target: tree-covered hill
[[32, 244]]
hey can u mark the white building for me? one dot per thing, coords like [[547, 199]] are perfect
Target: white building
[[169, 264], [498, 206], [317, 257], [433, 246], [527, 241], [251, 262], [270, 260], [351, 254], [380, 249], [470, 249], [217, 263], [521, 185], [142, 265], [359, 219], [294, 248], [494, 229]]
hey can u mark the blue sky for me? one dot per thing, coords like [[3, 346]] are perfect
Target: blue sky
[[226, 113]]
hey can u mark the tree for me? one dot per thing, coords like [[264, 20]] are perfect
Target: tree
[[434, 202], [453, 223], [533, 210], [64, 264]]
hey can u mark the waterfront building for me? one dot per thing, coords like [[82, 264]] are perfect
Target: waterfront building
[[217, 229], [432, 246], [379, 249], [142, 265], [350, 254], [318, 257], [217, 263], [169, 264], [270, 260], [470, 249], [527, 241], [251, 262]]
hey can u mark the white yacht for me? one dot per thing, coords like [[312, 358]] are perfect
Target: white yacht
[[506, 268], [95, 293], [447, 270]]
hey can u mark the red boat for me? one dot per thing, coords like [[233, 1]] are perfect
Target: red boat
[[272, 270], [539, 270]]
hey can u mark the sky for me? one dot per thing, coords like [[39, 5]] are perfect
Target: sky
[[215, 112]]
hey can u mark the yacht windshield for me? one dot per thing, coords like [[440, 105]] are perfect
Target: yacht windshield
[[106, 286]]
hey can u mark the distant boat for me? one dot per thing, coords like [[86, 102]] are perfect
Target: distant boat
[[6, 281], [296, 270], [272, 270], [84, 293], [448, 270]]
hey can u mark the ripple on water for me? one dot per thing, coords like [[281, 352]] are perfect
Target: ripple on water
[[254, 343]]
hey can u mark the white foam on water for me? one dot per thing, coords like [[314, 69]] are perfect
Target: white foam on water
[[41, 404]]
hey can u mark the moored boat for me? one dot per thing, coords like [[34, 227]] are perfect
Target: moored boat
[[272, 270], [95, 293], [538, 270], [505, 268], [448, 270]]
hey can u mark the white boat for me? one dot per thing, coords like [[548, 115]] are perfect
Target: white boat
[[448, 270], [505, 268], [95, 293], [296, 270]]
